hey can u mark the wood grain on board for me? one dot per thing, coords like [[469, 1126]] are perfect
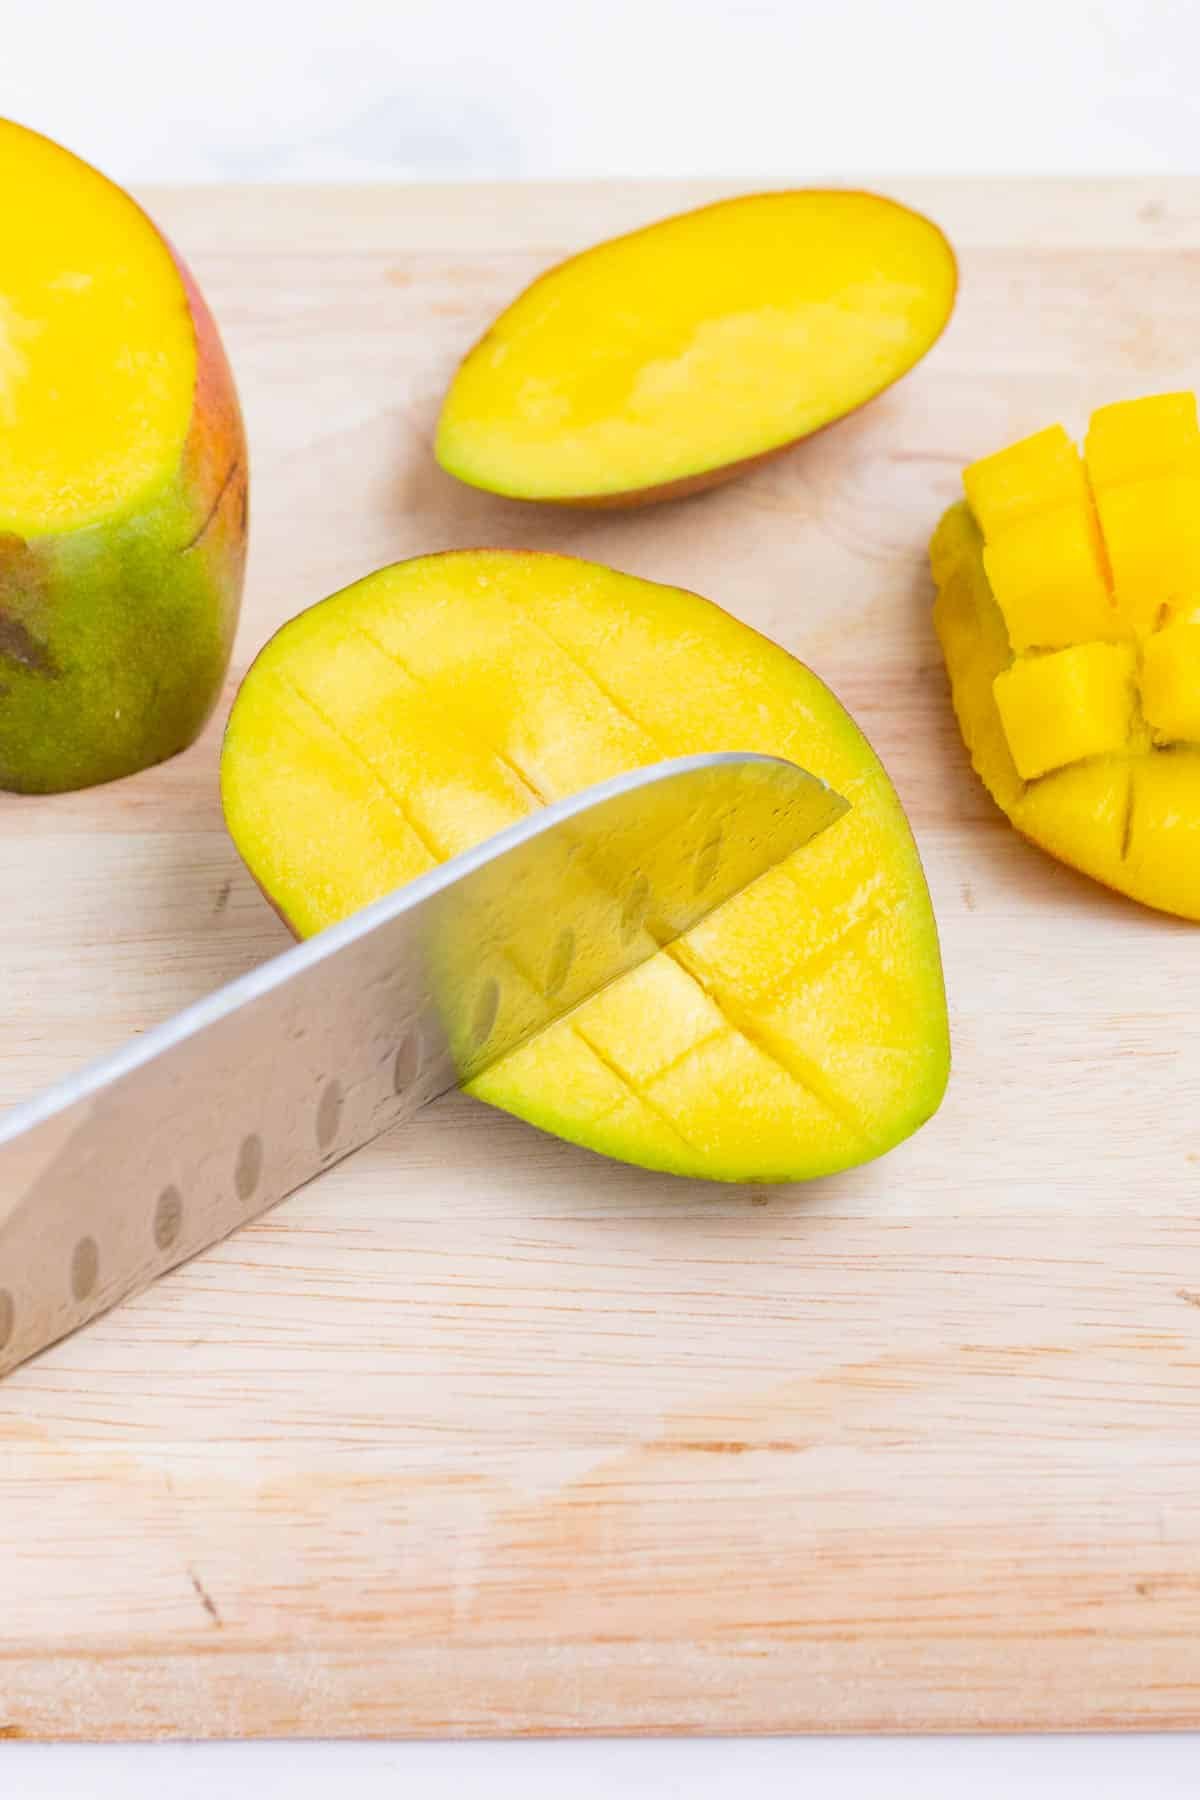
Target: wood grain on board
[[483, 1434]]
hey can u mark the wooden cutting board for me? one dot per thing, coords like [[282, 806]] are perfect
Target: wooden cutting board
[[481, 1434]]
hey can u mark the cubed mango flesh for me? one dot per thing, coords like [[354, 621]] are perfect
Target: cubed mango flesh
[[1143, 461], [1131, 439], [1043, 554], [1070, 704], [1171, 682], [1093, 747], [1041, 473], [1048, 576], [1152, 534]]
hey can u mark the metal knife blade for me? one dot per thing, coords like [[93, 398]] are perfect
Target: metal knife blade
[[141, 1160]]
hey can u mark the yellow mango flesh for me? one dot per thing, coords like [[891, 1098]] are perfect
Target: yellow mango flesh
[[97, 348], [1133, 439], [1171, 683], [1061, 708], [1077, 681], [798, 1030], [664, 359], [1041, 474]]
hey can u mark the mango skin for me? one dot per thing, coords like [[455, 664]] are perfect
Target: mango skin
[[115, 638]]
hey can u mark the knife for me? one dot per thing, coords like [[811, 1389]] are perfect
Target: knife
[[139, 1161]]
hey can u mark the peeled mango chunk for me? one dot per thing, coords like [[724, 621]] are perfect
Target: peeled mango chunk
[[1068, 610], [1059, 708], [1171, 683], [800, 1029]]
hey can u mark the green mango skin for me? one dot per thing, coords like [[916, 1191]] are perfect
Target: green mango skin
[[115, 639]]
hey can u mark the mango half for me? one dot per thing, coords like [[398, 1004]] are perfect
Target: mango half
[[122, 482], [1068, 609], [799, 1030], [667, 360]]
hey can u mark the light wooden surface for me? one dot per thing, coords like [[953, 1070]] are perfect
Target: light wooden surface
[[482, 1434]]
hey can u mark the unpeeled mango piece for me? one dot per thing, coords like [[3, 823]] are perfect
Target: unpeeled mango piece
[[798, 1030]]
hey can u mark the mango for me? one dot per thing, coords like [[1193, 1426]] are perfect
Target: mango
[[799, 1030], [122, 482], [1043, 473], [667, 360], [1060, 708], [1075, 671], [1042, 550], [1171, 683]]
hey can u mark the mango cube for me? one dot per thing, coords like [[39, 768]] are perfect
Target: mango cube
[[1058, 709], [1143, 458], [1152, 534], [1135, 438], [1038, 474], [1049, 579], [1171, 682]]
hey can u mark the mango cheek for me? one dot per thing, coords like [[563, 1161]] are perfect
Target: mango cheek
[[797, 1031], [666, 360]]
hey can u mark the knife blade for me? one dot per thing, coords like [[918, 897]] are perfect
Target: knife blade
[[143, 1159]]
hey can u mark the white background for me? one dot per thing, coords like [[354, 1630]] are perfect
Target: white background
[[215, 90], [365, 89]]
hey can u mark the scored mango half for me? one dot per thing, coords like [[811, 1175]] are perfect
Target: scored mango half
[[669, 359], [1068, 610], [800, 1029]]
